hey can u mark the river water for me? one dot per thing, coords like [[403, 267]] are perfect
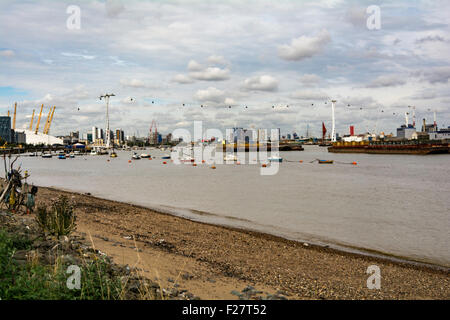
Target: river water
[[397, 205]]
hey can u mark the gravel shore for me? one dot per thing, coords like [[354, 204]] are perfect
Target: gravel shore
[[216, 262]]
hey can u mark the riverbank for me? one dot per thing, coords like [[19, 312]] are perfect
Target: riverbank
[[215, 262]]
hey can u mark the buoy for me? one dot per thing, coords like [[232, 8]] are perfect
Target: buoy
[[213, 167], [203, 161], [194, 164], [107, 160], [150, 159], [264, 165], [129, 161], [164, 162], [301, 161], [354, 163], [238, 163]]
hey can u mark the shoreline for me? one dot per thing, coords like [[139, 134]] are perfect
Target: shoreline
[[319, 245], [237, 257]]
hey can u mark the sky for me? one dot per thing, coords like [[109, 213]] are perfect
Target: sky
[[251, 64]]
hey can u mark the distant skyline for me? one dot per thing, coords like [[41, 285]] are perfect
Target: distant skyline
[[158, 55]]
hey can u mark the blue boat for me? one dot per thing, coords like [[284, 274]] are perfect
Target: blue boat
[[61, 156]]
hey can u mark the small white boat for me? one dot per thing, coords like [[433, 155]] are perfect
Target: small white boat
[[230, 157], [93, 153], [46, 155], [135, 156], [275, 159], [145, 156]]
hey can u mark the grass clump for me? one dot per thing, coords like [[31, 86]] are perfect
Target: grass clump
[[58, 220], [33, 281]]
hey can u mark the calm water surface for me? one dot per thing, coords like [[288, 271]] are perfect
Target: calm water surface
[[394, 204]]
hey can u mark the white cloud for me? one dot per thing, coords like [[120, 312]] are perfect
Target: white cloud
[[261, 83], [436, 74], [194, 66], [77, 55], [304, 46], [135, 83], [309, 95], [182, 79], [210, 94], [217, 60], [386, 81], [310, 79], [114, 8], [211, 74]]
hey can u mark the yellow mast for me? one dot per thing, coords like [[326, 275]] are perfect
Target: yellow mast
[[46, 121], [50, 121], [14, 119], [31, 122], [39, 120], [8, 113]]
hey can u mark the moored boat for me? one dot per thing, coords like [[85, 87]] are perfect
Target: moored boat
[[275, 159]]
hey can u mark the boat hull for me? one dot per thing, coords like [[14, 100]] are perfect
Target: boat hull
[[416, 149]]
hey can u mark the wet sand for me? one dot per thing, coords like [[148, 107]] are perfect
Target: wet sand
[[212, 261]]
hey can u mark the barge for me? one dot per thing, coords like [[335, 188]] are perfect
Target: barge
[[391, 147]]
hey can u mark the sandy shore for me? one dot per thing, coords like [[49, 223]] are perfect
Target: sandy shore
[[216, 262]]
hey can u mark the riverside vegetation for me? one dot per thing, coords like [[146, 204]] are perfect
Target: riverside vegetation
[[35, 254]]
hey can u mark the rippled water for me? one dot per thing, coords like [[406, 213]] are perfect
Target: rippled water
[[395, 204]]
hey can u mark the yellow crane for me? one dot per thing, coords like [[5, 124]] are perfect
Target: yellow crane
[[14, 119], [39, 120], [47, 129], [31, 122]]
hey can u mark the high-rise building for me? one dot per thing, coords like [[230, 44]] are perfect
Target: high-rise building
[[94, 134], [5, 128], [262, 134]]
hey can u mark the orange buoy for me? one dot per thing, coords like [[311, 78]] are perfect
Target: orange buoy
[[354, 163], [203, 161], [264, 165], [164, 162], [194, 164], [213, 167], [238, 163], [301, 161], [129, 161], [150, 159]]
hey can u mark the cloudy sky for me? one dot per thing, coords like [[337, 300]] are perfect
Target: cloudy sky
[[255, 64]]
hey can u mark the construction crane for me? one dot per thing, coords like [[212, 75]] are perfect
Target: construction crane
[[39, 120], [14, 119], [31, 122], [47, 130]]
